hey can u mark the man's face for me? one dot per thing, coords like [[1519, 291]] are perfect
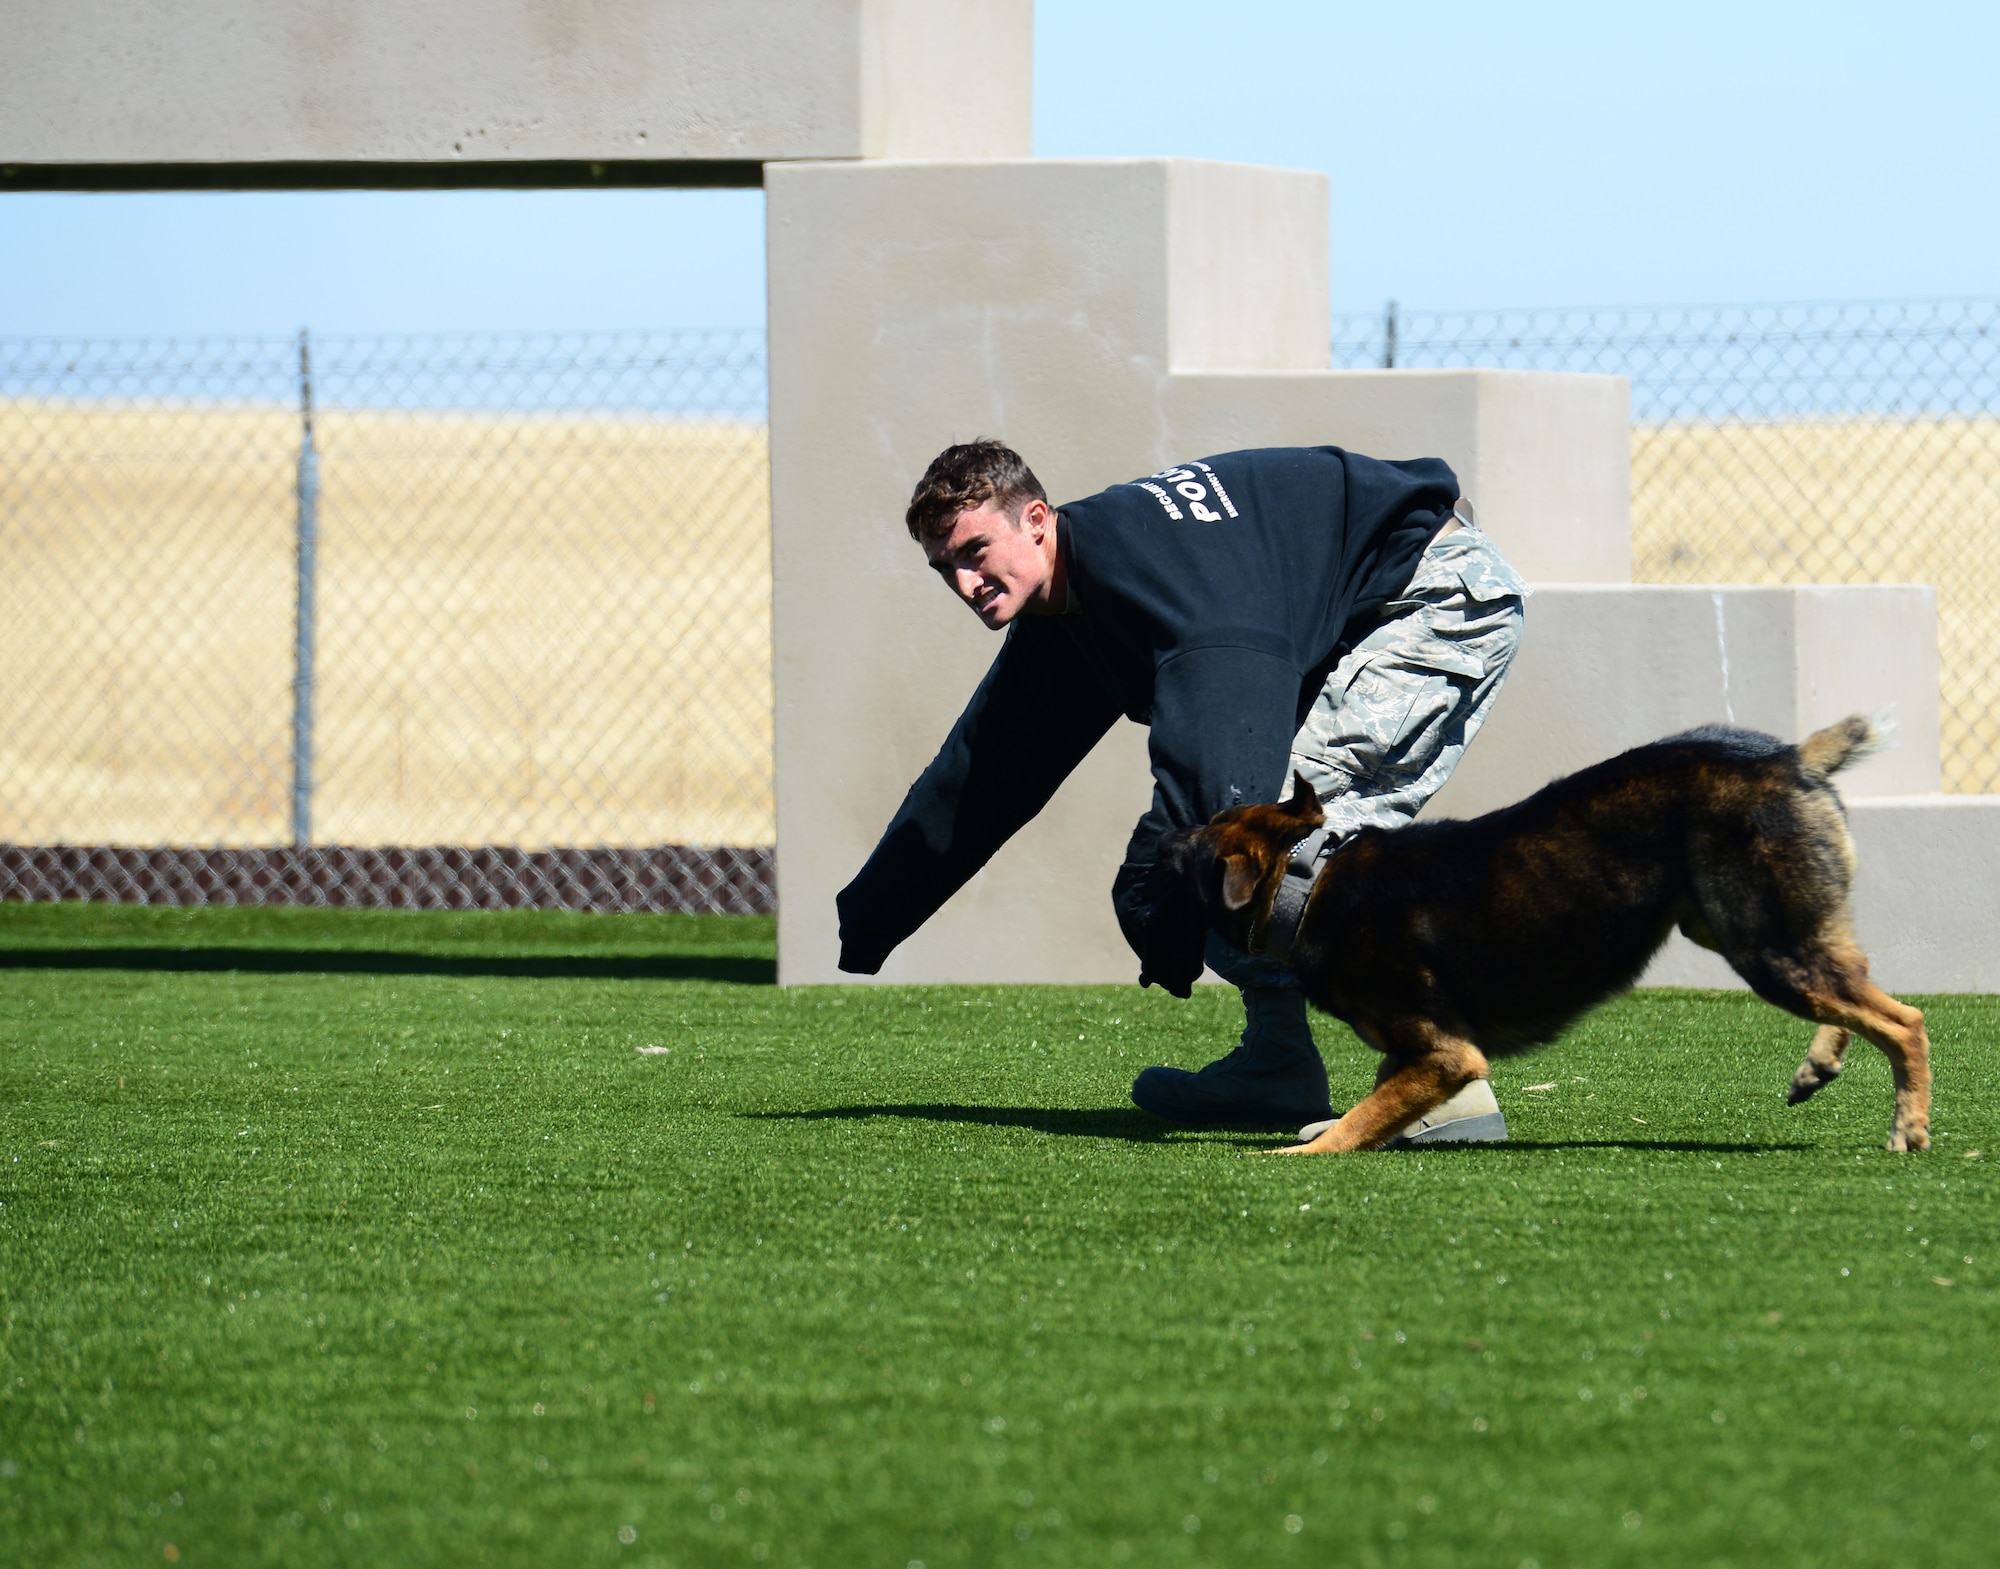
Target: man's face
[[996, 566]]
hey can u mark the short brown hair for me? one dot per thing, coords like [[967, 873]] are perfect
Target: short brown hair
[[968, 476]]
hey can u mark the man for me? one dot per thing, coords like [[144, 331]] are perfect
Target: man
[[1263, 611]]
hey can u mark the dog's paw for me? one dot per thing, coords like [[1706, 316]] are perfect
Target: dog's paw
[[1322, 1145], [1811, 1078]]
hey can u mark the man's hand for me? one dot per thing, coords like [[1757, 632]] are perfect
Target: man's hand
[[1174, 933], [860, 961]]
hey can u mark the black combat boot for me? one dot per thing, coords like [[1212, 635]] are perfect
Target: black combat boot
[[1274, 1079]]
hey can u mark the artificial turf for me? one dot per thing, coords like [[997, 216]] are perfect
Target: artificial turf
[[378, 1239]]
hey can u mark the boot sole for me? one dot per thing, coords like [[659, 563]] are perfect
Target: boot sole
[[1488, 1129], [1274, 1121], [1276, 1124]]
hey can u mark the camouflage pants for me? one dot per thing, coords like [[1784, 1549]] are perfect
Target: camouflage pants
[[1399, 711]]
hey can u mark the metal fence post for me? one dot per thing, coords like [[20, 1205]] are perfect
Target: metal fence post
[[302, 647], [1389, 337]]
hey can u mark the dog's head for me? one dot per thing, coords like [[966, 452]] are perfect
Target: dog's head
[[1221, 877]]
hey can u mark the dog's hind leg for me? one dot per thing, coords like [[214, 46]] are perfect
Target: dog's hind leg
[[1425, 1066], [1858, 1004], [1822, 1064], [1794, 876], [1829, 985]]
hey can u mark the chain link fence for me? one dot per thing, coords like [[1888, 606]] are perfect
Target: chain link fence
[[485, 621], [426, 621], [1855, 443]]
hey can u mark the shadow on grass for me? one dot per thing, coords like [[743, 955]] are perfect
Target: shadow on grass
[[728, 969], [1679, 1146], [1138, 1127], [1111, 1122]]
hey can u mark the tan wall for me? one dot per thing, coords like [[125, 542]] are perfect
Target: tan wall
[[441, 81]]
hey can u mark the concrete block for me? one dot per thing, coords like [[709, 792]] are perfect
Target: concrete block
[[914, 305], [1544, 457], [947, 81], [1926, 899], [1603, 668], [445, 81], [1927, 891], [1107, 318], [1247, 268], [1874, 650]]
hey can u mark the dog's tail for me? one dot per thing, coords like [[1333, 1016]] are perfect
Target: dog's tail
[[1825, 752]]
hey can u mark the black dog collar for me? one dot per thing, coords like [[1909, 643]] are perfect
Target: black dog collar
[[1289, 904]]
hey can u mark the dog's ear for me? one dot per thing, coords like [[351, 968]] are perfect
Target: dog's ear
[[1304, 805], [1240, 876]]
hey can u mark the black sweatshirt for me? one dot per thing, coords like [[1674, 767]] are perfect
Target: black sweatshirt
[[1214, 600]]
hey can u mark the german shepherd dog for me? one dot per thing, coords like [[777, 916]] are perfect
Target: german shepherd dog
[[1446, 944]]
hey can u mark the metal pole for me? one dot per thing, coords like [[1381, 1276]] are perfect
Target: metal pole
[[302, 647], [1389, 338]]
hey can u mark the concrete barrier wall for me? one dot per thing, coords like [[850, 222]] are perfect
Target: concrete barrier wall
[[1603, 668], [912, 306], [1092, 314], [1047, 303], [1534, 450], [1039, 302], [134, 82], [1926, 899]]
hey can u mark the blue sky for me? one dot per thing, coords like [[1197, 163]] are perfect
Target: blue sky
[[1481, 155]]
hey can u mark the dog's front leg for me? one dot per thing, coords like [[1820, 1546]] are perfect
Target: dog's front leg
[[1424, 1069]]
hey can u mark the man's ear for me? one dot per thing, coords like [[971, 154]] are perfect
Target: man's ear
[[1239, 881]]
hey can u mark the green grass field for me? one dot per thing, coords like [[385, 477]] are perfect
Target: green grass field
[[519, 1239]]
